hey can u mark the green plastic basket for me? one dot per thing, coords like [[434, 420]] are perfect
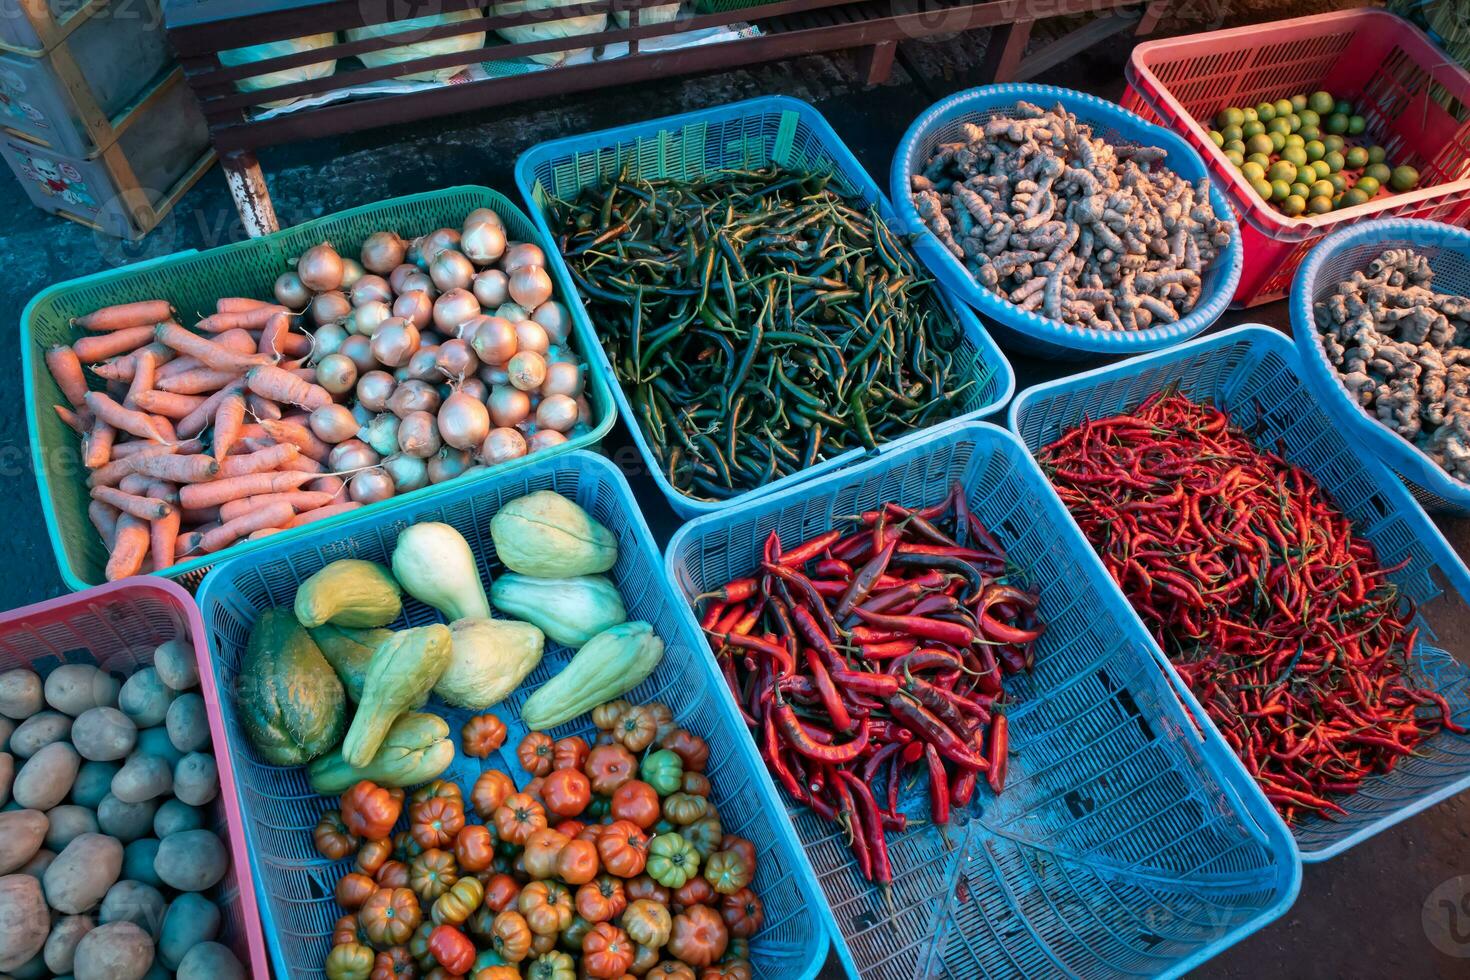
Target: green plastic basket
[[192, 281]]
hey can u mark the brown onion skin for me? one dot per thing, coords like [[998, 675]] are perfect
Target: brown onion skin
[[483, 243], [320, 268], [447, 464], [502, 445], [327, 484], [527, 370], [463, 422], [419, 282], [413, 396], [351, 454], [290, 292], [370, 486], [456, 360], [400, 274], [395, 341], [584, 411], [530, 286], [545, 439], [352, 271], [508, 406], [406, 472], [374, 389], [556, 412], [329, 307], [481, 216], [336, 373], [453, 308], [416, 307], [418, 435], [327, 340], [370, 288], [522, 253], [491, 287], [494, 374], [531, 336], [475, 388], [333, 423], [513, 311], [451, 270], [360, 350], [495, 340], [383, 252], [562, 378], [555, 319], [424, 365], [435, 242]]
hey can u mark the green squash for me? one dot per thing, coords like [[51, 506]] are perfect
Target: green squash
[[349, 592], [291, 702], [416, 749], [349, 651], [401, 673]]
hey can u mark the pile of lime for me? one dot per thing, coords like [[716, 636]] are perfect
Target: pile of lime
[[1300, 155]]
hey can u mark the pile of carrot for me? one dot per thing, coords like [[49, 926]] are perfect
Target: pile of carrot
[[157, 496]]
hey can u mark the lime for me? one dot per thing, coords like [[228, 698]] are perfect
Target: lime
[[1356, 157], [1323, 171], [1294, 155], [1368, 185], [1237, 146], [1299, 102], [1281, 124], [1310, 131], [1249, 113], [1216, 137], [1252, 170], [1377, 154], [1294, 205], [1252, 127], [1234, 157], [1356, 124], [1338, 182], [1232, 133], [1295, 120], [1280, 190], [1278, 140], [1335, 160], [1321, 188], [1265, 112], [1314, 149], [1378, 171], [1353, 196], [1262, 188], [1260, 143], [1259, 158], [1337, 123], [1320, 205], [1343, 107], [1334, 142], [1403, 179], [1310, 118], [1320, 101], [1295, 139], [1301, 190], [1229, 117], [1283, 107], [1282, 170]]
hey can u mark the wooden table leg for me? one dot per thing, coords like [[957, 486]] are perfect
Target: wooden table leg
[[1004, 51], [248, 190], [875, 63]]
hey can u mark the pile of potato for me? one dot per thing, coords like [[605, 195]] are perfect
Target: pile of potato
[[105, 849]]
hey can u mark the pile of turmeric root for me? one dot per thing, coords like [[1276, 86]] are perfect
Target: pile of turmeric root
[[1071, 227]]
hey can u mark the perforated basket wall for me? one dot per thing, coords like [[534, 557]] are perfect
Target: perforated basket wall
[[1125, 842], [117, 627], [1254, 375], [280, 808], [759, 132], [1339, 255], [192, 281], [1039, 335]]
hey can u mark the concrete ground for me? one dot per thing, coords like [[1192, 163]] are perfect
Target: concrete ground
[[1368, 913]]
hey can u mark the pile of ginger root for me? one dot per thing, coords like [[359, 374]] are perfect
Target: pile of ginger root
[[1068, 226], [1400, 349]]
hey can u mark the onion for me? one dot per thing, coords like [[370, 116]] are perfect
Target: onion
[[514, 312], [351, 454], [407, 472], [360, 351], [418, 435], [374, 388], [431, 338], [336, 373], [530, 286], [531, 335], [451, 270], [436, 241], [320, 268], [400, 374], [399, 274], [502, 445], [291, 293], [475, 388], [413, 396], [352, 271], [483, 243], [495, 340], [326, 484], [562, 378], [327, 339], [483, 216], [521, 254], [454, 307], [416, 307], [368, 317], [382, 252], [494, 374], [424, 365], [508, 406], [557, 412], [381, 433], [395, 341], [370, 289], [491, 288], [333, 423], [447, 464], [457, 359], [584, 411], [328, 307], [420, 282], [554, 317], [545, 439], [371, 486], [464, 422], [527, 370]]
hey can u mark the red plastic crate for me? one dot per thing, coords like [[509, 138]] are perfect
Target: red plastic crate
[[1415, 98]]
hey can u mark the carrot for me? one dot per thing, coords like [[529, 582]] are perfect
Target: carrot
[[295, 345], [184, 447], [97, 444], [77, 423], [66, 369], [276, 328], [146, 508], [199, 419], [125, 461], [196, 468], [134, 483], [188, 544], [297, 435], [208, 351], [239, 341], [264, 532], [275, 457], [252, 319], [179, 364], [277, 514], [262, 408], [238, 304], [125, 315], [169, 404], [279, 384], [129, 547], [163, 532], [123, 368], [126, 419], [104, 519], [100, 347], [321, 513], [333, 485], [305, 464], [165, 427], [229, 417], [233, 488], [144, 371], [300, 501], [198, 381]]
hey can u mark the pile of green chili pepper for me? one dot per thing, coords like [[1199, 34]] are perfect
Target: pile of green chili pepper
[[761, 321]]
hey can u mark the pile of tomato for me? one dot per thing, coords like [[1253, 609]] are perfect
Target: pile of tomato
[[610, 862]]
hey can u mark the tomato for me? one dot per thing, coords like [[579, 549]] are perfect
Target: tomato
[[569, 753], [695, 783], [404, 846], [636, 802], [672, 860], [389, 917], [552, 966], [572, 935], [741, 846], [689, 747], [418, 946], [437, 789], [541, 848], [353, 889], [372, 855], [393, 964], [533, 789], [743, 913], [663, 770], [727, 970], [645, 887], [393, 874], [436, 822], [370, 811], [501, 892], [591, 832], [696, 891], [685, 808], [452, 949], [482, 735], [536, 753], [623, 848], [543, 944], [605, 716], [644, 957], [566, 792], [698, 936], [432, 873], [474, 848], [601, 899], [350, 961], [459, 903], [662, 717], [636, 729], [610, 766], [570, 827], [672, 970], [512, 936], [346, 931], [497, 971], [547, 906], [727, 872], [332, 838], [704, 834], [490, 790], [577, 862], [518, 817], [648, 922], [607, 952]]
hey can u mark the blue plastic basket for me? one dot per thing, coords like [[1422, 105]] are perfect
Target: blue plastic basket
[[280, 808], [1254, 374], [1021, 329], [1125, 843], [1336, 258], [758, 132]]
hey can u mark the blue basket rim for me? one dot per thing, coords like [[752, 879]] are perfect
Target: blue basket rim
[[1400, 454], [1090, 108], [852, 170]]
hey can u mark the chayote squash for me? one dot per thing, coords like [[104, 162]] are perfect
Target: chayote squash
[[349, 651], [488, 659], [402, 671], [570, 611], [416, 749], [545, 535], [292, 704], [611, 664], [349, 592]]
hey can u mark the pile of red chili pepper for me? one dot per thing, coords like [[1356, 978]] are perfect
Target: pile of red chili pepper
[[1283, 624], [872, 655]]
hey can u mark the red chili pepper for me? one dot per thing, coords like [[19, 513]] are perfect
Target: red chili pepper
[[878, 685], [832, 568], [816, 607], [875, 761], [887, 651], [962, 788], [827, 691], [737, 590], [847, 810], [809, 549], [999, 744], [863, 582], [872, 822], [775, 651], [791, 730], [921, 627], [938, 786], [929, 728]]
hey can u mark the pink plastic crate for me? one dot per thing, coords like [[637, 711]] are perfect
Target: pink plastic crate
[[1415, 99], [117, 626]]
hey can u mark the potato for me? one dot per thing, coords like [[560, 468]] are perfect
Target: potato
[[61, 945], [7, 776], [196, 779], [210, 961], [39, 862], [103, 734], [175, 816], [115, 951], [143, 777], [145, 698], [73, 688], [68, 822], [39, 731], [135, 902], [188, 725], [155, 741], [94, 781], [81, 874], [138, 858], [47, 777], [21, 834], [24, 920], [191, 919], [176, 665], [191, 861], [125, 821], [21, 694]]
